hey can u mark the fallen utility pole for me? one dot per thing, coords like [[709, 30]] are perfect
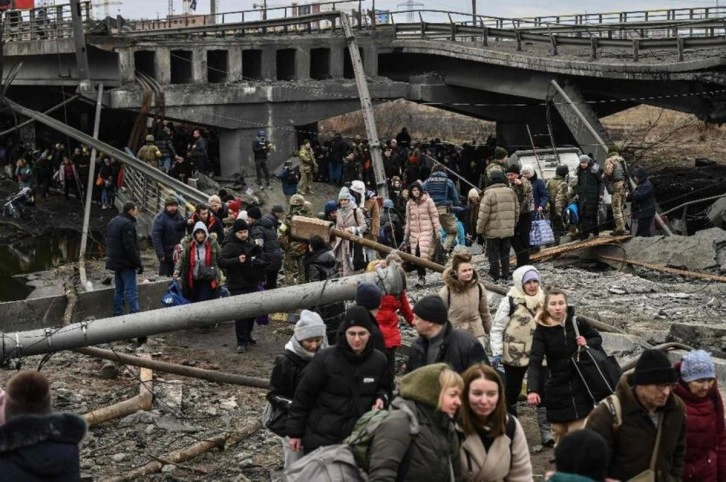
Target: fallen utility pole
[[87, 285], [182, 455], [303, 227], [160, 366], [164, 320], [142, 401], [665, 269], [369, 118]]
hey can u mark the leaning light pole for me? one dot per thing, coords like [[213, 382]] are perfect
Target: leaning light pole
[[106, 330]]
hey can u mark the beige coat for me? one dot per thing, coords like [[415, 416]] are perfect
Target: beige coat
[[467, 310], [341, 247], [498, 212], [499, 464], [422, 224]]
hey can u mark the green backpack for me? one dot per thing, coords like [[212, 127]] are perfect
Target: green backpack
[[361, 437]]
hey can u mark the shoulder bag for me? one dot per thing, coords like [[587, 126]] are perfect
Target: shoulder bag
[[598, 371], [650, 474]]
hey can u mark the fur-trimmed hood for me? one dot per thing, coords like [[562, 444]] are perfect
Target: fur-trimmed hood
[[41, 447], [455, 284]]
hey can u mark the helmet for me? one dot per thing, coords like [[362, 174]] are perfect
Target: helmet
[[297, 200], [149, 138], [260, 133], [562, 170]]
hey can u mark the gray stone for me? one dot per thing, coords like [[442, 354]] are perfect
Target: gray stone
[[699, 252], [615, 343], [169, 468], [172, 424], [617, 291], [119, 457], [138, 417], [708, 337], [171, 392]]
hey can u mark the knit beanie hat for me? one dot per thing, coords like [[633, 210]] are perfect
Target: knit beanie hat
[[387, 204], [242, 215], [473, 193], [356, 316], [697, 364], [344, 193], [583, 452], [432, 308], [277, 208], [239, 225], [653, 368], [422, 385], [496, 176], [531, 275], [500, 153], [254, 213], [171, 201], [310, 325], [28, 392], [330, 206], [368, 295], [359, 187]]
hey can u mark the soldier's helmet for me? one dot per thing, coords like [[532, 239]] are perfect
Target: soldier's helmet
[[297, 200]]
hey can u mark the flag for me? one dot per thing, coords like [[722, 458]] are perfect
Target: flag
[[193, 5]]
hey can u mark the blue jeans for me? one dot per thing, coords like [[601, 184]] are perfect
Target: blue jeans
[[335, 172], [125, 287]]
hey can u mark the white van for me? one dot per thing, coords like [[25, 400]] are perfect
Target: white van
[[544, 162]]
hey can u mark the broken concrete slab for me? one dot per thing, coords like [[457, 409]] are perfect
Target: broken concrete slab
[[618, 345], [705, 250], [709, 337]]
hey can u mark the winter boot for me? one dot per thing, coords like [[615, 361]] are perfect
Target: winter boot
[[545, 432]]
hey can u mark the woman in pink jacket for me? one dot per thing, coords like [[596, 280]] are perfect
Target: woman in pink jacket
[[423, 228]]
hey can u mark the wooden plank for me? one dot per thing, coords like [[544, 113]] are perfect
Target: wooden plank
[[666, 269], [573, 246]]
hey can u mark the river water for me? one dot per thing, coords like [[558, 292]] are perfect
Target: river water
[[40, 254]]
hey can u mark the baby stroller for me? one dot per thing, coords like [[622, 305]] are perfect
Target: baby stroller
[[17, 205]]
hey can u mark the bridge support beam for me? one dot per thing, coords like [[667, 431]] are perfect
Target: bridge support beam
[[162, 65], [199, 66], [234, 70], [235, 150]]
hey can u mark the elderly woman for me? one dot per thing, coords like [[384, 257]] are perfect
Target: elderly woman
[[352, 219], [464, 297], [422, 226]]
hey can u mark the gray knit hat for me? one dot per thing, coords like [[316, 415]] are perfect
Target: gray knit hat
[[696, 365], [310, 325]]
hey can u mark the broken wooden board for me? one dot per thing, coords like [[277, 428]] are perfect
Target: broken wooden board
[[570, 247], [665, 269]]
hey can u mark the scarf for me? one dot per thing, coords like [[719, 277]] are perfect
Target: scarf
[[532, 303], [295, 347], [206, 250]]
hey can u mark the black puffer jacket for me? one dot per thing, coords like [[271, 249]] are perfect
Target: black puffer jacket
[[241, 276], [337, 388], [41, 448], [286, 375], [167, 231], [122, 249], [565, 395], [460, 350], [263, 232], [643, 196]]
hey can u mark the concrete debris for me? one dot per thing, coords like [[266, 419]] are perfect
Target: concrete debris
[[229, 404], [704, 251], [617, 291], [138, 417], [710, 337], [172, 424]]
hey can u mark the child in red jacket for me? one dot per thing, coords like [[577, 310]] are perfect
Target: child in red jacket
[[387, 315]]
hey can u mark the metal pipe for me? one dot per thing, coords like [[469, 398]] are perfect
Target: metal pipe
[[106, 330], [89, 195]]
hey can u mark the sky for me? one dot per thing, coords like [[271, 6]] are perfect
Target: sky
[[511, 8]]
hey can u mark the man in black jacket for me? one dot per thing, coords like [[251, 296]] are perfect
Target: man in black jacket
[[439, 341], [339, 385], [167, 231], [263, 232], [122, 257], [643, 206], [244, 264]]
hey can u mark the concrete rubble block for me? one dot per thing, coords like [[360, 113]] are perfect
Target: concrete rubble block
[[169, 395], [615, 343], [705, 250], [709, 337], [654, 337]]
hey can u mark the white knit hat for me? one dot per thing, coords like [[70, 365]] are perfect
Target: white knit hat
[[310, 325], [242, 215]]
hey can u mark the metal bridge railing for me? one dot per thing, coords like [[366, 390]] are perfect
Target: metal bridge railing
[[44, 23]]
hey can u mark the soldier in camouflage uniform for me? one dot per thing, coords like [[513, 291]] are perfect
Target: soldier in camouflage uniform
[[498, 164], [523, 190], [558, 189], [616, 184], [295, 250]]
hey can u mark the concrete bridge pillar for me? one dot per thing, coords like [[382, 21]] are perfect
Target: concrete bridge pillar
[[162, 65], [337, 59], [199, 66], [370, 60], [302, 63], [269, 63], [126, 66], [234, 66], [235, 150]]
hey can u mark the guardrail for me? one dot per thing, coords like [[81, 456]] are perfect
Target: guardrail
[[483, 35], [43, 23], [665, 14]]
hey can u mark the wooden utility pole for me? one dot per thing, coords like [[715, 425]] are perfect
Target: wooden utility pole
[[365, 100]]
